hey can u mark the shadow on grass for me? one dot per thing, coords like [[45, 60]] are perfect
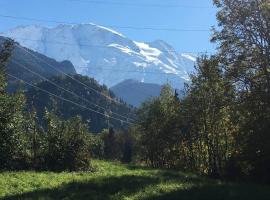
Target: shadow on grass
[[207, 189], [216, 192], [115, 188], [138, 167], [94, 189]]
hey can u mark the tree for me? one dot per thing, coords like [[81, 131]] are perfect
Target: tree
[[5, 53], [12, 140], [67, 144], [76, 152], [35, 136], [55, 143], [111, 146], [244, 50], [158, 129], [96, 146], [208, 130], [127, 147]]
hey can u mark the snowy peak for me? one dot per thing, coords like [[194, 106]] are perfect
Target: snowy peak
[[108, 56], [108, 29], [163, 46], [150, 54]]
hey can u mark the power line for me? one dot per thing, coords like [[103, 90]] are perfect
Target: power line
[[107, 69], [60, 71], [111, 69], [70, 92], [97, 46], [91, 68], [103, 69], [123, 70], [109, 26], [80, 96], [64, 99], [120, 3]]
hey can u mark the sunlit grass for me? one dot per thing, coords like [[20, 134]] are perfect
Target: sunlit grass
[[113, 180]]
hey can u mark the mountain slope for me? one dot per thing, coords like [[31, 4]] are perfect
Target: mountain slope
[[106, 55], [21, 60], [135, 92], [96, 121]]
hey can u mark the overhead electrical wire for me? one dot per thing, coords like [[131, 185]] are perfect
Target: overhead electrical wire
[[125, 117], [96, 46], [68, 75], [109, 26], [76, 79], [120, 27], [91, 68], [123, 70], [67, 100], [95, 68], [68, 91]]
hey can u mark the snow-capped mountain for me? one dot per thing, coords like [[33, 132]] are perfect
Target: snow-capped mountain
[[108, 56]]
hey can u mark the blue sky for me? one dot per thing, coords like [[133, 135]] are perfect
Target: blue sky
[[195, 14]]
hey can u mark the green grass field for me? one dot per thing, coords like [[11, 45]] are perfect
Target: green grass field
[[118, 181]]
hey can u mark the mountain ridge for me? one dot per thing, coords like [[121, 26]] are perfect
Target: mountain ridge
[[134, 92], [25, 64], [94, 50]]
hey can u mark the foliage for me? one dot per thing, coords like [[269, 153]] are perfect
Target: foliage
[[96, 146], [12, 141], [245, 53], [207, 126], [66, 144], [118, 145], [221, 126], [23, 142], [44, 135], [158, 129], [96, 122]]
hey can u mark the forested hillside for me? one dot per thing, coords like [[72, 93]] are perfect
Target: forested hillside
[[90, 95], [30, 66]]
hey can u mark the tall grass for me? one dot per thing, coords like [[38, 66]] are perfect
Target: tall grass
[[117, 181]]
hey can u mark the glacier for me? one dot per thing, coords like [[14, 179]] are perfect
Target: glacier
[[107, 55]]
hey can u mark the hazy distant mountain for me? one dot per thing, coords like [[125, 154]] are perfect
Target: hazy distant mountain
[[135, 92], [20, 57], [108, 56]]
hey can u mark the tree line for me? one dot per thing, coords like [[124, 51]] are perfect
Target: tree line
[[222, 125], [49, 141], [26, 145]]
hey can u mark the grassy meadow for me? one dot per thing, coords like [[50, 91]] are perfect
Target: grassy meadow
[[117, 181]]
